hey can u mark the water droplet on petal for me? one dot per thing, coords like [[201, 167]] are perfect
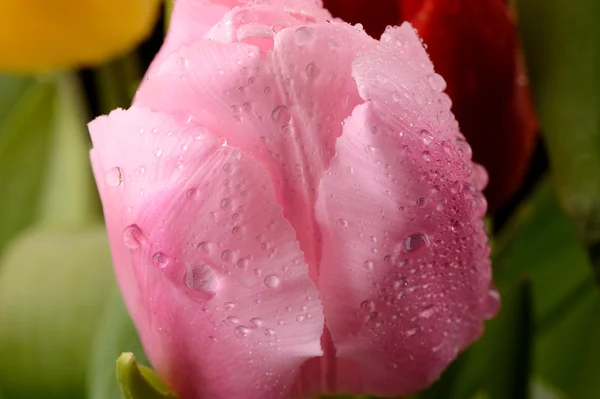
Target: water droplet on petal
[[256, 322], [437, 82], [160, 260], [367, 305], [228, 305], [269, 332], [456, 226], [304, 35], [368, 265], [426, 137], [202, 279], [204, 246], [427, 312], [492, 303], [281, 114], [312, 70], [132, 236], [192, 193], [342, 223], [464, 148], [415, 241], [242, 332], [272, 281], [227, 255], [411, 332], [114, 177]]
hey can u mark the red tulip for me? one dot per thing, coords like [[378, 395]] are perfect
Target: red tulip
[[473, 45]]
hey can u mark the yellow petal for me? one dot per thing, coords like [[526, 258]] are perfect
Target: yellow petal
[[39, 35]]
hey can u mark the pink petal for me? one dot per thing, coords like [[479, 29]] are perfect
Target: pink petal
[[286, 109], [192, 20], [405, 274], [210, 270]]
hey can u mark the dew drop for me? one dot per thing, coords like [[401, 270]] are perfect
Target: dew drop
[[492, 303], [269, 332], [202, 279], [204, 246], [192, 193], [300, 318], [411, 332], [287, 129], [367, 306], [427, 312], [225, 203], [232, 320], [437, 82], [272, 281], [228, 305], [242, 332], [114, 177], [426, 137], [158, 152], [415, 241], [368, 265], [312, 70], [132, 236], [281, 114], [464, 148], [235, 110], [227, 255], [160, 260], [304, 35], [256, 322], [342, 223], [456, 226]]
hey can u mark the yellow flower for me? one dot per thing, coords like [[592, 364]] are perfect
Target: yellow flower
[[39, 35]]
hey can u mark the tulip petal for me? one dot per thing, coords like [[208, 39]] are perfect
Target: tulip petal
[[195, 18], [474, 45], [211, 271], [286, 109], [405, 256]]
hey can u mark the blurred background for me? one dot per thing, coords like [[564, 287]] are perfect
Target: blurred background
[[524, 79]]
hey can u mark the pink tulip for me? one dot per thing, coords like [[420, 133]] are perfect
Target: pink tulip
[[292, 209]]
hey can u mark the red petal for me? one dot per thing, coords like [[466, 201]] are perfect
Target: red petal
[[373, 18]]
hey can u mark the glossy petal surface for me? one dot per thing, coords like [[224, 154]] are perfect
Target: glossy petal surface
[[285, 108], [210, 270], [474, 46], [404, 260]]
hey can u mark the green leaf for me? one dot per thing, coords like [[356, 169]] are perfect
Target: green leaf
[[69, 196], [562, 50], [53, 287], [25, 136], [116, 334], [568, 355], [44, 167], [498, 364], [138, 383], [542, 390], [540, 244]]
